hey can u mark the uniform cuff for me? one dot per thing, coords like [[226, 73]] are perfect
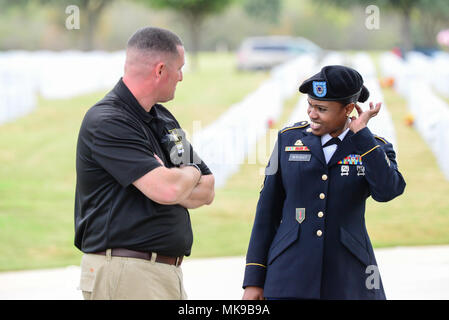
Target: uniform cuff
[[254, 275]]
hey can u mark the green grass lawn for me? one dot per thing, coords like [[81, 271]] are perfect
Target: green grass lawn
[[37, 153], [37, 177], [202, 96], [224, 228], [37, 183], [418, 217], [421, 215]]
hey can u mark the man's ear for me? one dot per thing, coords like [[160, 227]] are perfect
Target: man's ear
[[159, 70]]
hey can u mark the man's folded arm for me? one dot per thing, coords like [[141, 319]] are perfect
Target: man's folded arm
[[202, 194], [168, 185]]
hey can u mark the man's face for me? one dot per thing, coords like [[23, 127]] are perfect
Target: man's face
[[327, 117], [172, 74]]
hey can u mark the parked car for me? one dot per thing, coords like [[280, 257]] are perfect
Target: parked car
[[261, 53]]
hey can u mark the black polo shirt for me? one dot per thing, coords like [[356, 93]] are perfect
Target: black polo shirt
[[115, 147]]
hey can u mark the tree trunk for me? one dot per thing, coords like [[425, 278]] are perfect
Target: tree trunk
[[93, 10], [430, 29], [407, 43], [195, 23], [88, 39]]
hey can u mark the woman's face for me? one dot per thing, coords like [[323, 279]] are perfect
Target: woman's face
[[328, 116]]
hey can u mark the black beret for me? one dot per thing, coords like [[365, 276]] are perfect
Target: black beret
[[336, 83]]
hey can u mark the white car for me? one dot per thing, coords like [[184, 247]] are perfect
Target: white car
[[261, 53]]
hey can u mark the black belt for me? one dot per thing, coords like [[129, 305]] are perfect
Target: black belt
[[126, 253]]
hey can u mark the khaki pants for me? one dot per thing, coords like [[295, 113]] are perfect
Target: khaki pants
[[107, 277]]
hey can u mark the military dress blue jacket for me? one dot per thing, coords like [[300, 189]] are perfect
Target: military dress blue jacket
[[309, 239]]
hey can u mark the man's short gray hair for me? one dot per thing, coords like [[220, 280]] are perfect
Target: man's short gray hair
[[155, 39]]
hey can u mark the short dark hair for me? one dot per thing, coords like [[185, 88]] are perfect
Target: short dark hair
[[155, 39]]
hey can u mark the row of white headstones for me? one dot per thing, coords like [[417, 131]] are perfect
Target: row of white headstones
[[231, 140]]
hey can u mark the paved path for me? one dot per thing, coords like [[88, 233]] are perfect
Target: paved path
[[407, 273]]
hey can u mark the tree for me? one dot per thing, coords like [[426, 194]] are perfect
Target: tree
[[267, 10], [90, 12], [93, 10], [435, 8], [434, 16], [194, 12], [404, 8]]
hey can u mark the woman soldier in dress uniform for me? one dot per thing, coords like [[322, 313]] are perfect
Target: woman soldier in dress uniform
[[309, 239]]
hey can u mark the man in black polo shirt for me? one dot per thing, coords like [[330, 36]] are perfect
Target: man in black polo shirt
[[136, 177]]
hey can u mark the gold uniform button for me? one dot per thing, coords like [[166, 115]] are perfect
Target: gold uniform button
[[322, 196], [324, 177], [319, 233], [320, 214]]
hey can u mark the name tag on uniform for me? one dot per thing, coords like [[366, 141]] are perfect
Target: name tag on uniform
[[299, 157]]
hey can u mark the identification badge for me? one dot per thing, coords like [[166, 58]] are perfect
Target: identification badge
[[300, 214], [299, 157]]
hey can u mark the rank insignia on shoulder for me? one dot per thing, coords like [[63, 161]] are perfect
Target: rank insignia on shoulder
[[300, 214], [354, 159], [296, 148]]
